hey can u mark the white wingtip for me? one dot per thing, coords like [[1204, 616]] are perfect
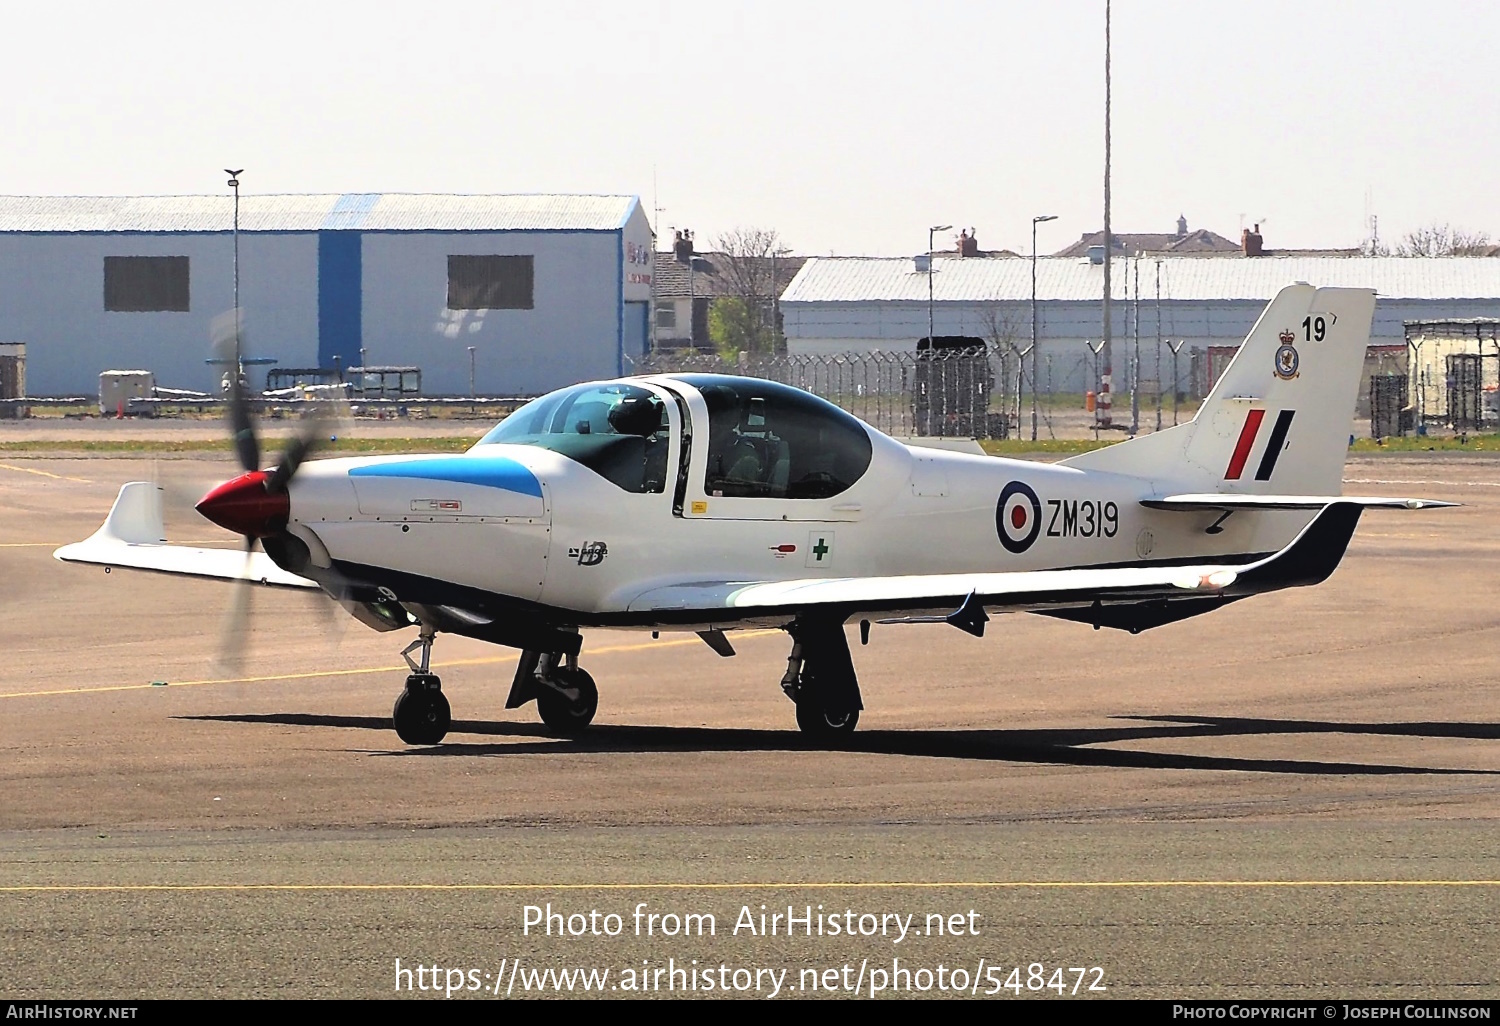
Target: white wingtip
[[136, 516]]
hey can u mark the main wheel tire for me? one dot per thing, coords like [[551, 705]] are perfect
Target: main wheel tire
[[817, 722], [564, 715], [422, 717]]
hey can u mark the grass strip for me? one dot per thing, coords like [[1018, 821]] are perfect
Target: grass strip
[[342, 445]]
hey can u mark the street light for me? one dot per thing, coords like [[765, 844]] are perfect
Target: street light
[[1034, 222], [930, 233], [234, 183]]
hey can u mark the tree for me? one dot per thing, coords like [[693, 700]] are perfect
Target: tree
[[734, 327], [1001, 326], [1438, 240], [752, 269]]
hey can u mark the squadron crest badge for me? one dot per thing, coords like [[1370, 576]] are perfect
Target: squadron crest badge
[[1286, 357]]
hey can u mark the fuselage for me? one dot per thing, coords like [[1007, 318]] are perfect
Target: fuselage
[[736, 482]]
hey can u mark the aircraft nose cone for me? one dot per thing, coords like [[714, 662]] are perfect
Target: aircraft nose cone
[[245, 507]]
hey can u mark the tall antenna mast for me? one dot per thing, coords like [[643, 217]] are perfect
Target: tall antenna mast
[[1107, 370], [655, 242]]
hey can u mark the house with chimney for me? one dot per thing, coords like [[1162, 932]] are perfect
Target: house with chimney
[[687, 282]]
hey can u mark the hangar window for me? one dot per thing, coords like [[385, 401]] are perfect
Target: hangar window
[[490, 282], [618, 431], [145, 284], [766, 440]]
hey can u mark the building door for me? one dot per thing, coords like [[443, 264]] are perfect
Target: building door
[[637, 330], [1464, 390]]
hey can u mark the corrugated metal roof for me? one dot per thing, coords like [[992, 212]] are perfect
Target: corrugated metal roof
[[307, 213], [958, 280]]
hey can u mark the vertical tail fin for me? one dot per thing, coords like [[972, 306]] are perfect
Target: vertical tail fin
[[1278, 419]]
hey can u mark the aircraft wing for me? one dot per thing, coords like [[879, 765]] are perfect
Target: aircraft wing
[[1309, 559], [133, 536], [1217, 502]]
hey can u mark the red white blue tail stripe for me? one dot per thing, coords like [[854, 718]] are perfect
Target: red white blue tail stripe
[[1246, 442]]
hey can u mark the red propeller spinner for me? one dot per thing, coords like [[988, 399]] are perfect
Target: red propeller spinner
[[247, 506]]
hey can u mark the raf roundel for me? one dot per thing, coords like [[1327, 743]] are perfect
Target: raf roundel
[[1018, 517]]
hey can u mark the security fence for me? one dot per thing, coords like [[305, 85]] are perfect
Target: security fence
[[969, 392], [965, 392], [1451, 380]]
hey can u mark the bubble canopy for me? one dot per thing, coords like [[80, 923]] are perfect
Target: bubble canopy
[[772, 441], [765, 440], [618, 430]]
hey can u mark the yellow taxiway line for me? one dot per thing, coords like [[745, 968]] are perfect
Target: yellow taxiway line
[[312, 675], [43, 473], [203, 542], [1010, 885]]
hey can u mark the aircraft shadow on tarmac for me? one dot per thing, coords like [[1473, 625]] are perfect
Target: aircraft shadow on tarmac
[[1062, 746]]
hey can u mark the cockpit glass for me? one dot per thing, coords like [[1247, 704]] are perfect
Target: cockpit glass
[[619, 431], [767, 440]]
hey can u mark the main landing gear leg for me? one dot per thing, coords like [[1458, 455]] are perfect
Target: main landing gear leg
[[566, 698], [820, 679], [421, 715]]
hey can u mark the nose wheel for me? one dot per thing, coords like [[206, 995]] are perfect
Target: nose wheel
[[421, 715]]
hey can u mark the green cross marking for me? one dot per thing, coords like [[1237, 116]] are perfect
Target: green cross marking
[[820, 550]]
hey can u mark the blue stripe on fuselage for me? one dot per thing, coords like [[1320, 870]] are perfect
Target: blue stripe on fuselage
[[489, 471]]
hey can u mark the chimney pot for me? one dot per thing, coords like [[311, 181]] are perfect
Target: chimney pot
[[1251, 241]]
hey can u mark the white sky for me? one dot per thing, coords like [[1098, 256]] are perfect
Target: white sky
[[848, 127]]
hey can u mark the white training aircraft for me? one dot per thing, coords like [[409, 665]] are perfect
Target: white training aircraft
[[705, 503]]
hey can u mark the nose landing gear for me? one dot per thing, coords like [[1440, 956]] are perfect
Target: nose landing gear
[[421, 715]]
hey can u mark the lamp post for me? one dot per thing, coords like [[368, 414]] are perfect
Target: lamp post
[[472, 393], [234, 183], [930, 233], [1135, 353], [1034, 222]]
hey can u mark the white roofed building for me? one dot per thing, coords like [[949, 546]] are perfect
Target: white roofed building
[[547, 289], [861, 304]]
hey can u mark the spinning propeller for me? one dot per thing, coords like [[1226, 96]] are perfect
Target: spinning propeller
[[256, 505]]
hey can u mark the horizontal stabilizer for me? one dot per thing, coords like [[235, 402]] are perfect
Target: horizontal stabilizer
[[1218, 502], [1310, 559]]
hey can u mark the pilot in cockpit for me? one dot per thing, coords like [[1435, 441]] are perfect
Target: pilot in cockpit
[[644, 418]]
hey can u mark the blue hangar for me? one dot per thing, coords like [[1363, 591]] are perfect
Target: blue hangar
[[547, 289]]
